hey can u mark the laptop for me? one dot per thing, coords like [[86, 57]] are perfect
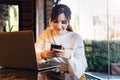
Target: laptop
[[17, 51]]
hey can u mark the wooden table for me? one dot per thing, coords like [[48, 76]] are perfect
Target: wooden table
[[15, 74]]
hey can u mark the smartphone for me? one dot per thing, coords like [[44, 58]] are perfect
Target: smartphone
[[54, 46]]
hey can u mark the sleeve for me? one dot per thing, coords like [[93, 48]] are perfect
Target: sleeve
[[43, 41], [39, 45], [78, 62]]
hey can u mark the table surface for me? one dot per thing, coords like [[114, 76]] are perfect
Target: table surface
[[15, 74]]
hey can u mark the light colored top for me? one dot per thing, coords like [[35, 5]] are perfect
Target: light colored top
[[73, 44]]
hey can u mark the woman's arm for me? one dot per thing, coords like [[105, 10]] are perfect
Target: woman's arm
[[77, 62]]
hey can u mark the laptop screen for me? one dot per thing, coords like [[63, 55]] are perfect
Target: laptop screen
[[17, 50]]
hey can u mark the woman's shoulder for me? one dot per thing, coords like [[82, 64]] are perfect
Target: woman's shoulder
[[77, 37], [74, 34]]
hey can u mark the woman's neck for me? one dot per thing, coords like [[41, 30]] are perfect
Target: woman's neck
[[57, 34]]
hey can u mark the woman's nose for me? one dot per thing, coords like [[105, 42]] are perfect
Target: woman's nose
[[59, 25]]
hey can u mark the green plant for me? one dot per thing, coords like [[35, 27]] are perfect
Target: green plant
[[100, 53]]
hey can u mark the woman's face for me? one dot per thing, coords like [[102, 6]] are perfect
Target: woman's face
[[60, 25]]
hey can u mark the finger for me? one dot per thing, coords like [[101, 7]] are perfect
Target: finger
[[58, 55], [58, 50], [62, 47], [50, 56]]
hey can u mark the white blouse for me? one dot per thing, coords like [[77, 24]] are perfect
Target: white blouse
[[73, 45]]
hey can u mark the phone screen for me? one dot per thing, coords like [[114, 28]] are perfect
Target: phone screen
[[55, 46]]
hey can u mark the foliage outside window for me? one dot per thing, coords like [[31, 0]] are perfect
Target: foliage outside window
[[9, 18], [3, 17]]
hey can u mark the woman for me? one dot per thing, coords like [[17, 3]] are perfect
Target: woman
[[72, 53]]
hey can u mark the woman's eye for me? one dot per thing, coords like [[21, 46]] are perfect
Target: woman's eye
[[64, 22]]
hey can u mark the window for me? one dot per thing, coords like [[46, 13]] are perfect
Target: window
[[98, 21], [9, 18], [13, 18]]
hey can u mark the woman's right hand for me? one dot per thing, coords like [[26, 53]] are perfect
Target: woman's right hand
[[47, 54]]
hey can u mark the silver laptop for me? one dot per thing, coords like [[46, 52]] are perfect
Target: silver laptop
[[17, 51]]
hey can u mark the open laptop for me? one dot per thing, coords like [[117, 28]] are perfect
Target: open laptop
[[17, 51]]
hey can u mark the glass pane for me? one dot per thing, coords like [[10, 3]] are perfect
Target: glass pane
[[94, 30], [13, 19], [98, 22], [114, 37], [9, 17], [92, 24]]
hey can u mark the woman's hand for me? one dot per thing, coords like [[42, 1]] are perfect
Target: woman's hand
[[61, 53], [56, 53], [47, 54]]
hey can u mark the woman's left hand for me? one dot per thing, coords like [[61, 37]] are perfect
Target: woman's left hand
[[62, 53]]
